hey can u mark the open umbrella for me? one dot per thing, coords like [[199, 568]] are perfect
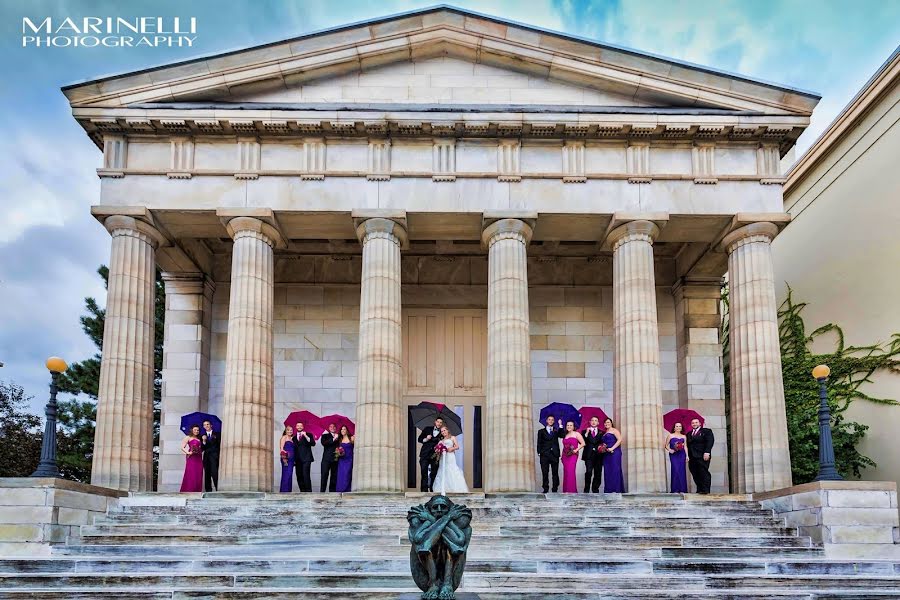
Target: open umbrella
[[424, 414], [683, 416], [563, 412], [593, 411], [339, 421], [311, 422], [197, 418]]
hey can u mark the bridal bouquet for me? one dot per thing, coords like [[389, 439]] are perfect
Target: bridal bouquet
[[438, 451], [339, 453], [602, 449], [284, 457]]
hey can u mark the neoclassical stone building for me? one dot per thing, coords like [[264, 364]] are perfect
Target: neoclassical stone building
[[448, 206]]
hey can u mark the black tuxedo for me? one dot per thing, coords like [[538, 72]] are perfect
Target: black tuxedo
[[548, 451], [593, 460], [426, 458], [303, 459], [211, 460], [329, 463], [697, 446]]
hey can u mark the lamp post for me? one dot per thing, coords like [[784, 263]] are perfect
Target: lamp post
[[827, 470], [47, 467]]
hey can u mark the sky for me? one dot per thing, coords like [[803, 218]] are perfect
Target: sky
[[50, 246]]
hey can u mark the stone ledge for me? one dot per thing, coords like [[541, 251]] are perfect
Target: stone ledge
[[886, 486], [60, 484]]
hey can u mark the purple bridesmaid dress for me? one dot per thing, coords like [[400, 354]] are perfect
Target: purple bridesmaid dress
[[612, 467], [570, 463], [679, 467], [287, 470], [345, 469], [193, 468]]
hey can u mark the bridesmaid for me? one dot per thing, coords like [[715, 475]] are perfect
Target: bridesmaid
[[287, 459], [345, 463], [612, 462], [678, 458], [572, 445], [193, 462]]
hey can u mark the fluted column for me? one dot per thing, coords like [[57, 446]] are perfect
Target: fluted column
[[247, 450], [761, 460], [380, 450], [638, 401], [123, 439], [510, 460]]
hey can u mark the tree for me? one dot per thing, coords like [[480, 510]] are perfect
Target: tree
[[20, 431], [851, 367], [77, 417]]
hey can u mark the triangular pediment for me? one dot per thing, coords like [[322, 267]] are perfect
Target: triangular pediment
[[442, 55]]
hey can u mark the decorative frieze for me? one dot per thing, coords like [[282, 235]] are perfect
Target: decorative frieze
[[573, 162], [637, 163], [508, 161], [379, 160], [703, 163], [443, 162], [115, 156], [768, 164], [312, 159], [248, 158], [181, 162]]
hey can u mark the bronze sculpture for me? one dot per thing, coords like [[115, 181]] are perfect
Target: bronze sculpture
[[440, 532]]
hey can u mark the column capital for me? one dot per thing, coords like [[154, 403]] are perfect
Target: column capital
[[271, 236], [643, 230], [509, 228], [759, 232], [119, 224], [366, 227], [188, 283]]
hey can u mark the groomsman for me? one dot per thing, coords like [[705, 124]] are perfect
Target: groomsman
[[429, 438], [700, 441], [593, 460], [303, 457], [548, 451], [211, 444], [330, 441]]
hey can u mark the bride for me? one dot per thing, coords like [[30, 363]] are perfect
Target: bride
[[450, 478]]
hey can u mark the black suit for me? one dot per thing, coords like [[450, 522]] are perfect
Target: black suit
[[329, 464], [211, 460], [548, 451], [697, 446], [426, 457], [303, 460], [593, 460]]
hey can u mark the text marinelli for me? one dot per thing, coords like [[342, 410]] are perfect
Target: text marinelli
[[89, 32]]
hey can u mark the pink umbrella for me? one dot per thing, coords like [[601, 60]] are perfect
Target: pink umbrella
[[339, 421], [592, 411], [311, 422], [683, 416]]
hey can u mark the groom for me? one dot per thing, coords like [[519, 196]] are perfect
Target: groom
[[700, 442], [429, 438], [593, 460], [548, 451]]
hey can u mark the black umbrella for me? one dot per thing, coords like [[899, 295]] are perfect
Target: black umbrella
[[424, 414]]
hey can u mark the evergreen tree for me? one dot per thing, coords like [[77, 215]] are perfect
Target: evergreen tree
[[20, 431]]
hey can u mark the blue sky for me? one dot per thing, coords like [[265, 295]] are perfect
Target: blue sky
[[50, 247]]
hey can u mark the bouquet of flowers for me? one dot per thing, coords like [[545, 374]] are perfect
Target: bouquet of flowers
[[602, 449], [570, 450], [284, 457], [196, 449], [679, 446], [339, 453], [439, 450]]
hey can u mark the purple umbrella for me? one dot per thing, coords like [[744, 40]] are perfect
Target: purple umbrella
[[197, 418], [563, 412]]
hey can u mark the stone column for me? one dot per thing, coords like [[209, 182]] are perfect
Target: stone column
[[701, 382], [247, 452], [185, 373], [380, 448], [636, 376], [123, 440], [510, 425], [760, 459]]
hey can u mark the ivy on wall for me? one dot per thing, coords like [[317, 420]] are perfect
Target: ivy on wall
[[851, 367]]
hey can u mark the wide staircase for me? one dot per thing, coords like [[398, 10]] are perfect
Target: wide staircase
[[525, 546]]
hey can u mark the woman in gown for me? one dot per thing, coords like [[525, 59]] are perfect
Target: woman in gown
[[450, 479], [678, 459], [572, 446], [612, 462], [287, 460], [193, 463], [345, 463]]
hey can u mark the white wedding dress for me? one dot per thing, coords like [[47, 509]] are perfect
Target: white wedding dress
[[450, 478]]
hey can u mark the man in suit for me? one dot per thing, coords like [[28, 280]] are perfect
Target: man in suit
[[211, 444], [700, 442], [429, 438], [303, 457], [330, 441], [593, 460], [548, 451]]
